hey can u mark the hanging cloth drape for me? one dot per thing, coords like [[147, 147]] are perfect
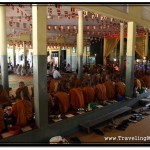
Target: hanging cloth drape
[[109, 45], [140, 46]]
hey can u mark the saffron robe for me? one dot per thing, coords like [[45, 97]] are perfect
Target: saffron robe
[[120, 89], [76, 98], [22, 111], [100, 92], [4, 98], [62, 99], [110, 89], [88, 94]]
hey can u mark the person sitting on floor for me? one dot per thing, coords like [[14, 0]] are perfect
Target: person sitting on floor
[[56, 73], [100, 92], [120, 88], [76, 98], [75, 81], [68, 68], [24, 88], [110, 88], [51, 86], [88, 93], [61, 101], [4, 97], [22, 110], [2, 124]]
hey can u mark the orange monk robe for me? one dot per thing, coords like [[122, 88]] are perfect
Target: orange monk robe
[[62, 99], [52, 86], [110, 89], [88, 94], [100, 92], [76, 98], [22, 111], [120, 89], [18, 91], [4, 98], [76, 83], [2, 124], [146, 80]]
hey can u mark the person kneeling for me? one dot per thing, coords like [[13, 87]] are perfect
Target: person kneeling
[[22, 110]]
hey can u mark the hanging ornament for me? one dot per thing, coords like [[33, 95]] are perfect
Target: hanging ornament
[[94, 27], [87, 27], [10, 24], [68, 27], [19, 19], [74, 27], [11, 19], [55, 27], [48, 27], [24, 25], [73, 9], [17, 24], [27, 18]]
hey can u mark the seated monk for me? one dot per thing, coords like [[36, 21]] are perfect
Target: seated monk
[[51, 85], [22, 110], [2, 124], [75, 81], [4, 98], [76, 98], [88, 93], [100, 92], [22, 87], [146, 80], [110, 88], [60, 103], [120, 89]]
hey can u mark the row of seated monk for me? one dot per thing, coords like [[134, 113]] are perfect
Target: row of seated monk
[[74, 94], [70, 94]]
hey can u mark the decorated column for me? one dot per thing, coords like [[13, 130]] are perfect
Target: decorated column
[[130, 58], [14, 56], [40, 65], [60, 58], [146, 45], [3, 48], [80, 44], [24, 56], [121, 57]]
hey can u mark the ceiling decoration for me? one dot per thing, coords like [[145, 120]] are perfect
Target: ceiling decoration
[[62, 20]]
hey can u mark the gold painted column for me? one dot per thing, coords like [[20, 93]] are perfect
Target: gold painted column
[[146, 45], [3, 48], [40, 65], [121, 57], [130, 58], [80, 44]]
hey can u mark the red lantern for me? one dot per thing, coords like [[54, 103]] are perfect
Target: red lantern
[[11, 19], [19, 19], [48, 27]]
